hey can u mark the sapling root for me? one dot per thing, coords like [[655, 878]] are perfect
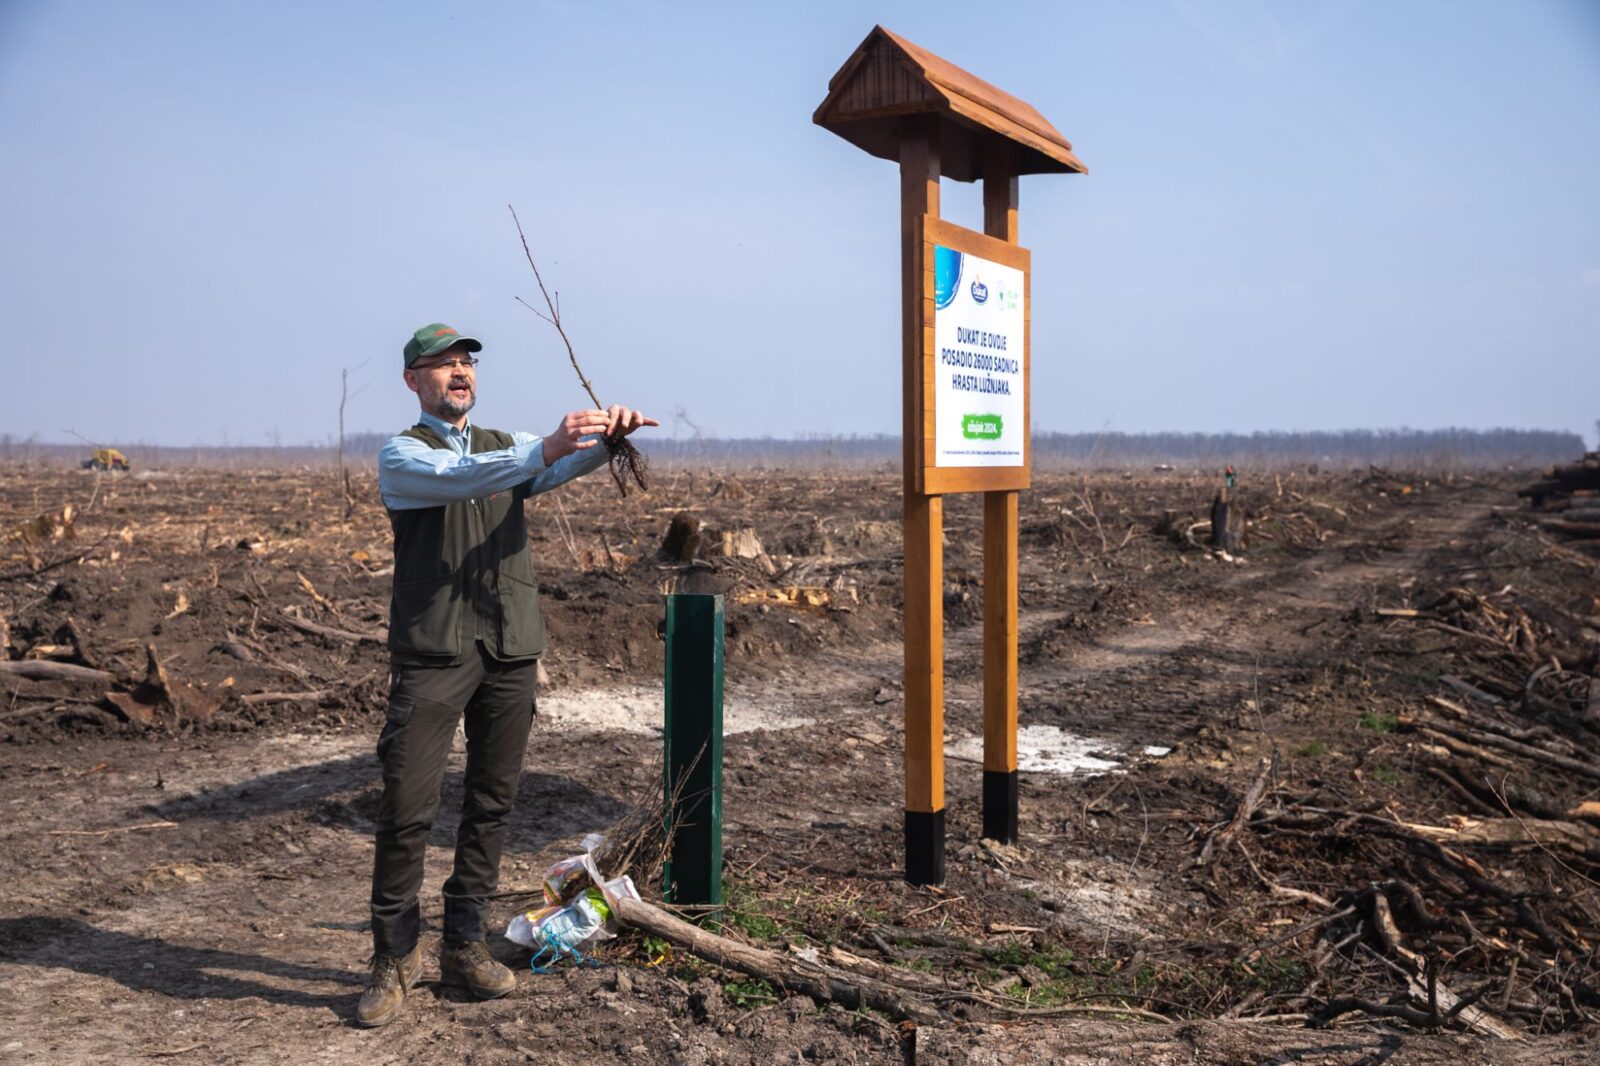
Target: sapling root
[[628, 463]]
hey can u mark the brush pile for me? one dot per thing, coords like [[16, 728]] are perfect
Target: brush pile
[[1570, 495], [1477, 906]]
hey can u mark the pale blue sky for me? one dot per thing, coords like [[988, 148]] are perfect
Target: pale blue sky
[[1297, 216]]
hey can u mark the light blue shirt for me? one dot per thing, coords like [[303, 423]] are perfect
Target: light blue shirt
[[411, 475]]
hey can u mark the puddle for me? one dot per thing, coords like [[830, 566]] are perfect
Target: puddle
[[1048, 749], [641, 709]]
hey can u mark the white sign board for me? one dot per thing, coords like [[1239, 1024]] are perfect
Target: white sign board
[[979, 324]]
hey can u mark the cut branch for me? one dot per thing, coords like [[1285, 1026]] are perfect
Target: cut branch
[[818, 982], [626, 461], [345, 635]]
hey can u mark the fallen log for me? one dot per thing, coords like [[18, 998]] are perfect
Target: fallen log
[[1468, 689], [1588, 809], [349, 637], [33, 708], [1460, 747], [877, 971], [45, 670], [1512, 832], [1480, 721], [1563, 525], [286, 697], [1550, 758], [812, 979]]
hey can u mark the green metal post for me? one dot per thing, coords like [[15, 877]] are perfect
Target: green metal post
[[693, 753]]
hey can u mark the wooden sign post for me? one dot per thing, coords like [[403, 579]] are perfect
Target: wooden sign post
[[965, 359]]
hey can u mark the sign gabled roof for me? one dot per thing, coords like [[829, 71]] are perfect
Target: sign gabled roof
[[888, 77]]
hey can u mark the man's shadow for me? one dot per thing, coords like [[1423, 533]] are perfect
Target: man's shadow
[[344, 793], [147, 964], [341, 792]]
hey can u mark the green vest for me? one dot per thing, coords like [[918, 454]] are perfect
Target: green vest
[[462, 571]]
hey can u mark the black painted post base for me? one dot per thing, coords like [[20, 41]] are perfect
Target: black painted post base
[[925, 847], [1000, 805]]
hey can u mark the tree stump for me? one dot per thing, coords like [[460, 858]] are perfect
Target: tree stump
[[1227, 523], [682, 541]]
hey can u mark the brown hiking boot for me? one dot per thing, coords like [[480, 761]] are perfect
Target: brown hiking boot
[[386, 987], [471, 965]]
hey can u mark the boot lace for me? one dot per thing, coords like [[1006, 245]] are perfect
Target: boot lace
[[385, 971]]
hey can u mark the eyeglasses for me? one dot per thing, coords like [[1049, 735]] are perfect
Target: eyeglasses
[[464, 361]]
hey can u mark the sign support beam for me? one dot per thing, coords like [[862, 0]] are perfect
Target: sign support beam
[[924, 529], [1000, 568]]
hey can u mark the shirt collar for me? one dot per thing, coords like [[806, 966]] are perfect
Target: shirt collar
[[446, 429]]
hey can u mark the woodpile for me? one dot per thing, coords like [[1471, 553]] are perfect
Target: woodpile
[[1569, 496], [1485, 913]]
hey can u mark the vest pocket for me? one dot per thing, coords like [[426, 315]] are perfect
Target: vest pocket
[[423, 617], [521, 625]]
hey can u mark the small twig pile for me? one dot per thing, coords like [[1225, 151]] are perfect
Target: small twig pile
[[628, 463]]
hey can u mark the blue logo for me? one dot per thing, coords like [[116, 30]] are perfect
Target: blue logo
[[946, 275], [980, 291]]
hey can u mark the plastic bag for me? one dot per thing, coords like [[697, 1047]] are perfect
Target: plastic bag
[[566, 878], [564, 929], [578, 911]]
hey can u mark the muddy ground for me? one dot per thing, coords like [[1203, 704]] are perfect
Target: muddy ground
[[192, 887]]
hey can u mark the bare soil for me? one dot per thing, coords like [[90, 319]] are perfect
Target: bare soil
[[194, 889]]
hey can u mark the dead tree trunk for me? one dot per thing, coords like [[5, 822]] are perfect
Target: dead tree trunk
[[1227, 523]]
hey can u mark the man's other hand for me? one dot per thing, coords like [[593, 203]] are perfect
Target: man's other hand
[[621, 421], [568, 436]]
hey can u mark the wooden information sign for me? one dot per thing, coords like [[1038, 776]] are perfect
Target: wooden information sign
[[965, 372], [972, 430]]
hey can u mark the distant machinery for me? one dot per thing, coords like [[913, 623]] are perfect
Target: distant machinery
[[106, 459]]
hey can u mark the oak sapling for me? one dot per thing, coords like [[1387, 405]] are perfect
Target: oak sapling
[[627, 462]]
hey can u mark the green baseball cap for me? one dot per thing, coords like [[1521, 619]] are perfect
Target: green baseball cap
[[434, 338]]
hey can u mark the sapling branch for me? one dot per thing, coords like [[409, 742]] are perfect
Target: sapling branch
[[626, 461]]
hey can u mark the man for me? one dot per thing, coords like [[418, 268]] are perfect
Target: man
[[465, 635]]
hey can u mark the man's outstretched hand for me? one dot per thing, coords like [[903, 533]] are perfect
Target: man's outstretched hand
[[569, 435], [622, 421]]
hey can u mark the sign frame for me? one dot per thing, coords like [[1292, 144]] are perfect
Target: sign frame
[[943, 480]]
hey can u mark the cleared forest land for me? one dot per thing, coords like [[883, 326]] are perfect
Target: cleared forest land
[[1331, 799]]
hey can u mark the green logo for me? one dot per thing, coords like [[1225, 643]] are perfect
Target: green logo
[[981, 427]]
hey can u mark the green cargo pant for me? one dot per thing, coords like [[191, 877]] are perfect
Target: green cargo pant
[[425, 702]]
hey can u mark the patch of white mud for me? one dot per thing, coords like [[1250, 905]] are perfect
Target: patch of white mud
[[1048, 749], [1090, 896], [641, 709]]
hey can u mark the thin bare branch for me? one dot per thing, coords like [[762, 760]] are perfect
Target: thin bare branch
[[555, 312]]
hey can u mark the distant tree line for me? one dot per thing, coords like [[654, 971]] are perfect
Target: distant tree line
[[1342, 448], [1398, 447]]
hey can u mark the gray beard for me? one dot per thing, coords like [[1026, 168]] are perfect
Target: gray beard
[[448, 409]]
